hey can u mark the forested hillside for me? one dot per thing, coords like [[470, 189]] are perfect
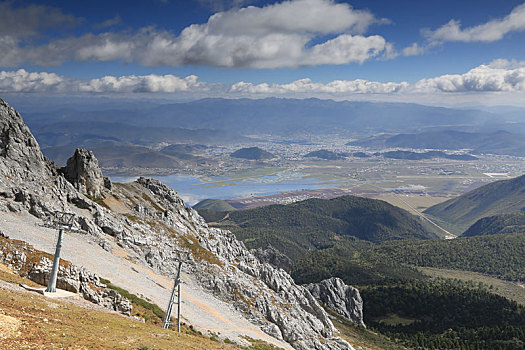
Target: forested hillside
[[298, 228], [497, 224]]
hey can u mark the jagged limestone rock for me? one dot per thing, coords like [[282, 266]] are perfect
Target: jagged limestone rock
[[17, 145], [83, 171], [341, 298], [273, 257]]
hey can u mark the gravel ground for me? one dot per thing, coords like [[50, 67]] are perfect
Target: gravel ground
[[202, 310]]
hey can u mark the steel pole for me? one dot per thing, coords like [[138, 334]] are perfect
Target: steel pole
[[51, 286], [166, 321], [178, 308]]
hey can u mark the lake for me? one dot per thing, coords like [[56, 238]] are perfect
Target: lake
[[196, 188]]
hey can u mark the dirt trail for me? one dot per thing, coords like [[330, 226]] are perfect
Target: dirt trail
[[202, 310]]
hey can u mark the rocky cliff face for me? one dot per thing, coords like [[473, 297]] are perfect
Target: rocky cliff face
[[273, 257], [83, 172], [152, 221], [343, 299]]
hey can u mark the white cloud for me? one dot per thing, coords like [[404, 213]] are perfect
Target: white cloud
[[23, 81], [500, 76], [277, 35], [413, 50], [303, 86], [497, 77], [148, 83], [493, 30]]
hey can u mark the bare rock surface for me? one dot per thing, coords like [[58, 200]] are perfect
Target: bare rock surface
[[273, 257], [33, 264], [82, 170], [341, 298], [145, 226]]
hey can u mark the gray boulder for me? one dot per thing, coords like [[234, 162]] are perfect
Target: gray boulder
[[273, 257], [341, 298], [83, 171]]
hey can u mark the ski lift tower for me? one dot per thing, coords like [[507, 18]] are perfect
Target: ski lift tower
[[61, 221], [176, 291]]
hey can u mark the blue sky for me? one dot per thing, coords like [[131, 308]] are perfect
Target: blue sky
[[447, 52]]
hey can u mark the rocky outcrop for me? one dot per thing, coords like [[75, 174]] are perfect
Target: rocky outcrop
[[343, 299], [158, 229], [273, 257], [82, 170], [36, 266], [17, 145]]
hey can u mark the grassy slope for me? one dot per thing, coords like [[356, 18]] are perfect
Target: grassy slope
[[500, 197], [507, 289], [48, 323]]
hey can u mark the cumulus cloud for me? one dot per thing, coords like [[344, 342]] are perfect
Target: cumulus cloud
[[302, 86], [493, 30], [276, 35], [23, 81], [148, 83], [43, 82], [499, 76], [502, 76]]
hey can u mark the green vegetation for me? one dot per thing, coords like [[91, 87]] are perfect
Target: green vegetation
[[313, 224], [507, 289], [500, 197], [497, 224], [360, 337], [150, 312], [362, 263], [444, 314], [214, 205]]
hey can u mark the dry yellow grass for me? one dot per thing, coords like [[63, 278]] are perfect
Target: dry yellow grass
[[51, 324]]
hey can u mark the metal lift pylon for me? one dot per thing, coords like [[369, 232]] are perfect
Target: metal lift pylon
[[176, 291], [62, 221]]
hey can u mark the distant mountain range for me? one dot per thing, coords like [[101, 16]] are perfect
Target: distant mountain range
[[500, 197], [113, 154], [499, 142], [285, 116]]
